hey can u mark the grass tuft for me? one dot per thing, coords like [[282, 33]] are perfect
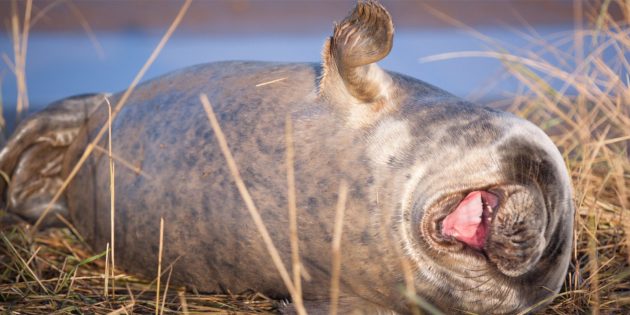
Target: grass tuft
[[587, 114], [54, 272]]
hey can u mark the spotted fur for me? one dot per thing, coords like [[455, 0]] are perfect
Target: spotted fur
[[409, 151]]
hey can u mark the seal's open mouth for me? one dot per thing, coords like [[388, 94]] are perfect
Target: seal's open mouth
[[470, 221], [501, 225]]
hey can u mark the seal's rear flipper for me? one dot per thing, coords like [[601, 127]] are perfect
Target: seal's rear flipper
[[351, 75], [32, 158]]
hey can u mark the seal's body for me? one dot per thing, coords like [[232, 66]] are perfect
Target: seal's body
[[466, 206]]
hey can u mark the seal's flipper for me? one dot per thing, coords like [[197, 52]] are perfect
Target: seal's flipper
[[32, 158], [361, 39]]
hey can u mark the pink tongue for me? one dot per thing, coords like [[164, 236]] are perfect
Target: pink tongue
[[465, 223]]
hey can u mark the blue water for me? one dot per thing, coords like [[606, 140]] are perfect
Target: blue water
[[62, 64]]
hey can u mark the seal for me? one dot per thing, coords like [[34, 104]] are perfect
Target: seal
[[469, 207]]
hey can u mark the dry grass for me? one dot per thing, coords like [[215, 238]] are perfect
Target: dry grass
[[582, 99], [55, 273], [19, 37], [579, 96], [592, 130]]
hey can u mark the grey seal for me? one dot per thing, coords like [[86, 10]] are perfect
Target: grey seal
[[475, 201]]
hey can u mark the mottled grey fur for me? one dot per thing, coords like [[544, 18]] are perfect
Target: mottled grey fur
[[410, 152]]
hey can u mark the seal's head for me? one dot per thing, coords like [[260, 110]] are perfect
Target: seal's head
[[494, 217], [483, 200]]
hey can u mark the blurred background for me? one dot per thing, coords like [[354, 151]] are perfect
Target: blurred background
[[78, 47]]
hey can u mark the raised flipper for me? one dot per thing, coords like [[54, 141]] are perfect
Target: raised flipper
[[32, 158], [351, 76]]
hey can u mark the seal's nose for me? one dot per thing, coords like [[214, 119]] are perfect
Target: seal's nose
[[516, 238]]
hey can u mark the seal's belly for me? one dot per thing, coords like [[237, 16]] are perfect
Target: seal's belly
[[169, 166]]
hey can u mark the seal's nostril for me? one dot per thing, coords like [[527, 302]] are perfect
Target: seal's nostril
[[516, 239]]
